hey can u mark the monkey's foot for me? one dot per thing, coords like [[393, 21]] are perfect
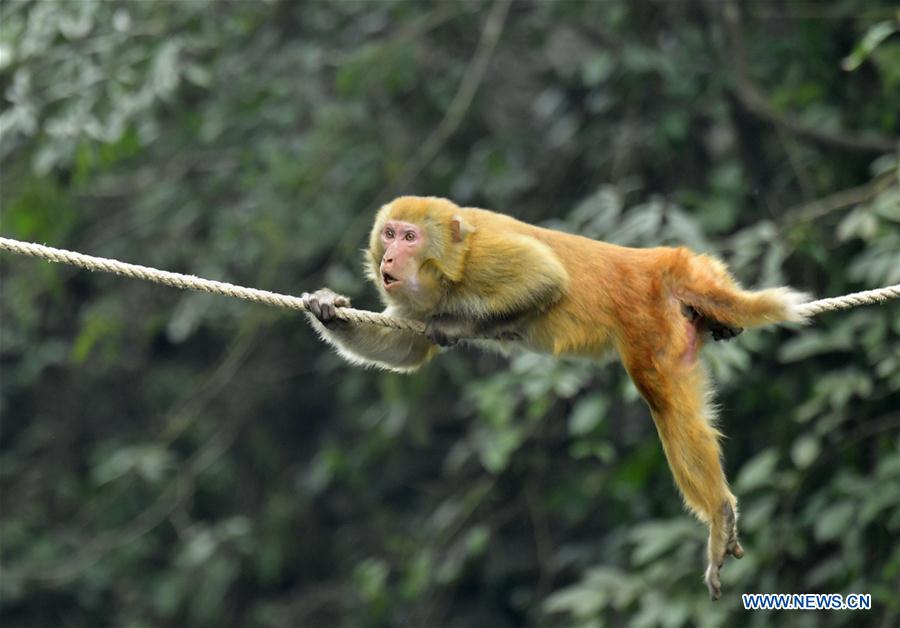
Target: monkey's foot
[[726, 531], [711, 577], [440, 333], [721, 331]]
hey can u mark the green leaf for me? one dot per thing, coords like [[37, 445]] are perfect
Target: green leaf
[[370, 577], [876, 34], [833, 521], [497, 444], [758, 472], [588, 413], [805, 451]]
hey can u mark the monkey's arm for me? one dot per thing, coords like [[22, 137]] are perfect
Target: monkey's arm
[[509, 274], [507, 279], [365, 345]]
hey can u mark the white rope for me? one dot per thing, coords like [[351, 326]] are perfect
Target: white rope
[[849, 300], [190, 282]]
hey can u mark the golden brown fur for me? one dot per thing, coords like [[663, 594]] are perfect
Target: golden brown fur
[[483, 272]]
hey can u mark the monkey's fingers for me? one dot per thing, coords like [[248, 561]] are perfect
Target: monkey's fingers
[[322, 306], [312, 304], [329, 316]]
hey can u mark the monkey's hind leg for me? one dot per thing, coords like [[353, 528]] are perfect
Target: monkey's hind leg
[[678, 402]]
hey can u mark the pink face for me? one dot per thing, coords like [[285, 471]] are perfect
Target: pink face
[[403, 243]]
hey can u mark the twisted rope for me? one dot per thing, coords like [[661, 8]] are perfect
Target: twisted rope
[[191, 282], [848, 300]]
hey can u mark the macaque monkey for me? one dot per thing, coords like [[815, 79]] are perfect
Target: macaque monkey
[[471, 273]]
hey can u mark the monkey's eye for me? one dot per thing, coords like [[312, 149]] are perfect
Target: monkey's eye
[[410, 236], [389, 233]]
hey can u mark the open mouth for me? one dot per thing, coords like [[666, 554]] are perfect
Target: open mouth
[[388, 279]]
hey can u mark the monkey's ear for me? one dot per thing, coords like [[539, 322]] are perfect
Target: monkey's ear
[[459, 229], [450, 257]]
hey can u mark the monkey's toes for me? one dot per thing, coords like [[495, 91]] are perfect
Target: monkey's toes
[[439, 337], [444, 340], [723, 332], [736, 550], [712, 582]]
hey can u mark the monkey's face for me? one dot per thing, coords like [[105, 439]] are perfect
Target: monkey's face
[[404, 245], [417, 247]]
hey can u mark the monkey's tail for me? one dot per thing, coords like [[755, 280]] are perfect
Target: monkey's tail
[[711, 291]]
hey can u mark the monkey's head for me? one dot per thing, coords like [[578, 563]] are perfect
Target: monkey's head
[[417, 250]]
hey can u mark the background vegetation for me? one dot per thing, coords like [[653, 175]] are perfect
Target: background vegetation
[[175, 459]]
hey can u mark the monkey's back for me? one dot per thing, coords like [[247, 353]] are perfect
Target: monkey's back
[[610, 286]]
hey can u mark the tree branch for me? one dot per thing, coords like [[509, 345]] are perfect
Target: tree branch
[[755, 101]]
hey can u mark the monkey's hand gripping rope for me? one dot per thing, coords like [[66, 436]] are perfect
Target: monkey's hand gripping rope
[[190, 282]]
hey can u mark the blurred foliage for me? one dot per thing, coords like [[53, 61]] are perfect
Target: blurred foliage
[[171, 459]]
